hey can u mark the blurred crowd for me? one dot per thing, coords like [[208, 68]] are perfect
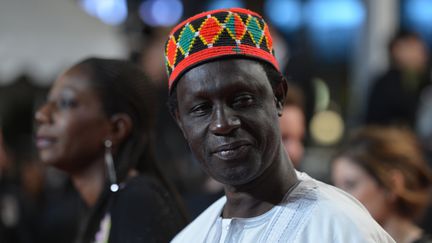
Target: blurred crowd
[[384, 161]]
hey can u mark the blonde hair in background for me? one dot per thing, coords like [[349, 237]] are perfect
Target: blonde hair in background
[[390, 152]]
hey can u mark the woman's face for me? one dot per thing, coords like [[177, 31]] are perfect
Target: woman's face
[[292, 129], [71, 124], [353, 179]]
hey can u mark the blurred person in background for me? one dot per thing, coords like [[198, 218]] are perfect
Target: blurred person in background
[[384, 168], [13, 227], [424, 131], [394, 96], [292, 125], [424, 122], [30, 209], [97, 126]]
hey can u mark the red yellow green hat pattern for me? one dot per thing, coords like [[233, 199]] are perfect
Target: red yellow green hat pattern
[[217, 33]]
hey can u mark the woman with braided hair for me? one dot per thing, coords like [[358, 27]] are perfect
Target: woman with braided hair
[[97, 126]]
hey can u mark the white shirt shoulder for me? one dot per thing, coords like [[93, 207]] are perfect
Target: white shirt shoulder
[[312, 212], [338, 217], [198, 229]]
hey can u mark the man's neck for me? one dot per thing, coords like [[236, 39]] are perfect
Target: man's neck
[[263, 193]]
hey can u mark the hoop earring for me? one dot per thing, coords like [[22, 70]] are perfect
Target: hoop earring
[[109, 162]]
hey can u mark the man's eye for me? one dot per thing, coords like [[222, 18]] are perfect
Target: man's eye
[[200, 109], [243, 101]]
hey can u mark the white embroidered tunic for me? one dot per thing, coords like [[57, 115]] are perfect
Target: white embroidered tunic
[[312, 212]]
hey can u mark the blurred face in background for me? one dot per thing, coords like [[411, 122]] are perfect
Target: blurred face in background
[[410, 54], [71, 124], [353, 179], [292, 129]]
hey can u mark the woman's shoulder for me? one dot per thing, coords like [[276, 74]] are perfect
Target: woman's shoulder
[[141, 182], [145, 195], [144, 209], [141, 188]]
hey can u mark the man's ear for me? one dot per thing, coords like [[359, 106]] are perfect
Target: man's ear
[[280, 92], [279, 107], [121, 127]]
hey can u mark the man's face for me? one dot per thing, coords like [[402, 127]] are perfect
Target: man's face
[[228, 114]]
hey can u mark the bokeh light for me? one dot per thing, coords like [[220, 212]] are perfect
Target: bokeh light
[[284, 14], [112, 12], [161, 12], [333, 25], [417, 15], [324, 14], [419, 12], [217, 4]]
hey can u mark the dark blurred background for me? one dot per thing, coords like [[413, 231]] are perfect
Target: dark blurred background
[[334, 50]]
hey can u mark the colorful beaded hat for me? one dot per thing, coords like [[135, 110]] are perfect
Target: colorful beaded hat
[[214, 34]]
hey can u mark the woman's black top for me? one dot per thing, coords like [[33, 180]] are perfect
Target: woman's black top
[[141, 211]]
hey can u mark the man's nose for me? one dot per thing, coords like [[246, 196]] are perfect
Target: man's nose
[[224, 121]]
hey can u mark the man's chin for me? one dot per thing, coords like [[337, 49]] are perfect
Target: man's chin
[[234, 179]]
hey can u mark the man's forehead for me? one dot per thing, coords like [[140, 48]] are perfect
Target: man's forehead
[[235, 65], [235, 72]]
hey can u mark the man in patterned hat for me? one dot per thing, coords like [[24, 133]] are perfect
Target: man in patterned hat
[[226, 94]]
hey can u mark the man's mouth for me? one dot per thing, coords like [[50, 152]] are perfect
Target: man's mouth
[[232, 150]]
